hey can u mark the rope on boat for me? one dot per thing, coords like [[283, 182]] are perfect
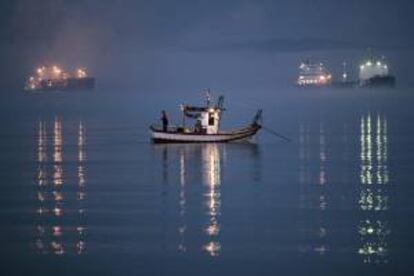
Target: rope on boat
[[271, 131], [259, 119]]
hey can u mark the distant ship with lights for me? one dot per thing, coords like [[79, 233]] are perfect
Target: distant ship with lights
[[313, 74], [374, 72], [54, 78]]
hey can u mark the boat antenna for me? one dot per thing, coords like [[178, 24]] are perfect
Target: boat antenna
[[370, 54], [208, 97]]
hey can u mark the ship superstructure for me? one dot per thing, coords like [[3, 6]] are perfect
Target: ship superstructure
[[374, 72], [313, 74], [55, 78]]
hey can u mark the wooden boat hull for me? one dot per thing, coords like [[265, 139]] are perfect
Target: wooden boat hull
[[159, 136]]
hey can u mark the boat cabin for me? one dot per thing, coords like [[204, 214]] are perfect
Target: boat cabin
[[207, 118]]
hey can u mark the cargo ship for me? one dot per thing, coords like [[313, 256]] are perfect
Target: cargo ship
[[374, 72], [54, 78], [313, 74]]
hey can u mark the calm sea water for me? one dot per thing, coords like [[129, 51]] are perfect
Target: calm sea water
[[83, 190]]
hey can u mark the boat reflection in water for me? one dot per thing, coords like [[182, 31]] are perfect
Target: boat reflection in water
[[59, 220], [374, 230], [212, 181], [204, 164], [313, 181]]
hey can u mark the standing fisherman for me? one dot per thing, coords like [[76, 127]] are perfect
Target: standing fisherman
[[164, 119]]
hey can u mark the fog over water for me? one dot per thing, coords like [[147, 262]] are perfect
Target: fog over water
[[84, 191], [141, 45]]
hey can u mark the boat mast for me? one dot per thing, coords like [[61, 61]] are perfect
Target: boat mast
[[183, 116], [370, 55], [208, 97]]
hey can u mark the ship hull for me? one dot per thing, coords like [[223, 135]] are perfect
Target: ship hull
[[313, 85], [379, 81], [70, 84], [159, 136]]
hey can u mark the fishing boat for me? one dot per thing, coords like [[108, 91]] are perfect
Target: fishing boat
[[206, 128]]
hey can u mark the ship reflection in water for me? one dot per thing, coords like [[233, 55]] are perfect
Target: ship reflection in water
[[201, 165], [374, 202], [203, 202], [60, 214], [371, 196], [313, 182]]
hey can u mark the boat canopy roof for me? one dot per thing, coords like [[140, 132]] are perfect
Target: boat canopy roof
[[195, 108], [189, 110]]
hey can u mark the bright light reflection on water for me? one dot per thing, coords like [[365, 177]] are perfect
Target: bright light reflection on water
[[59, 218], [86, 191]]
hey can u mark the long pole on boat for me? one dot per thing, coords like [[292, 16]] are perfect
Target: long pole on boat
[[183, 116], [271, 131], [259, 118]]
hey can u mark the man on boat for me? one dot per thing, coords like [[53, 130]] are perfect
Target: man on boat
[[198, 127], [164, 119]]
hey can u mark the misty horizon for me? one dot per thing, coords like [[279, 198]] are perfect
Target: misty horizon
[[137, 45]]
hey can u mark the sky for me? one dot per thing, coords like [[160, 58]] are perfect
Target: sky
[[191, 43]]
